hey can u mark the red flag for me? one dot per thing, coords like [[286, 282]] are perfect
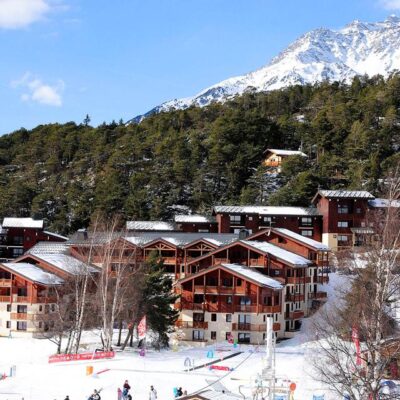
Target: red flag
[[356, 341], [142, 328]]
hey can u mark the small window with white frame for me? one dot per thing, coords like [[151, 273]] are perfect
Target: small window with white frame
[[343, 224], [306, 233], [235, 219]]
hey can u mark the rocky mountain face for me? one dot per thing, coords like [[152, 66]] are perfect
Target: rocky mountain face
[[322, 54]]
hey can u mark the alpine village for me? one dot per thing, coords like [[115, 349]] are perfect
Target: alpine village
[[243, 243]]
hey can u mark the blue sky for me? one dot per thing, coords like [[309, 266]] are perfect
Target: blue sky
[[62, 59]]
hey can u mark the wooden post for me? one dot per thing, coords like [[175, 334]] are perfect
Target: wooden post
[[258, 300]]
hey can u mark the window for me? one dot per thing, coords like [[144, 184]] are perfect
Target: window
[[203, 230], [267, 219], [235, 219], [8, 324], [214, 299], [342, 238], [40, 325], [18, 240], [227, 282], [40, 308], [229, 300], [306, 233], [228, 336], [228, 317], [213, 317], [244, 318], [250, 218], [198, 317], [53, 307], [22, 292], [244, 337], [358, 210], [22, 309], [8, 307], [198, 335], [306, 221], [17, 252], [21, 325], [343, 209], [343, 224], [238, 282], [245, 301], [213, 335]]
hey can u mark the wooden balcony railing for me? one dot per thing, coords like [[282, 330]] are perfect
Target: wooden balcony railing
[[5, 299], [294, 315], [21, 299], [257, 261], [5, 282], [294, 297], [293, 280], [192, 324], [318, 295], [21, 316], [169, 260], [221, 261], [254, 327]]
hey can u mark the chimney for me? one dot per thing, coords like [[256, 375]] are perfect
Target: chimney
[[243, 234], [82, 234]]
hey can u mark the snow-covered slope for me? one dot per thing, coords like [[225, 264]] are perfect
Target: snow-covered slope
[[322, 54]]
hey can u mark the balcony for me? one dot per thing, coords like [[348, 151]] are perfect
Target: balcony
[[255, 262], [322, 279], [192, 324], [20, 299], [254, 327], [294, 315], [5, 299], [294, 297], [294, 280], [21, 316], [318, 296], [221, 261], [46, 300], [5, 282]]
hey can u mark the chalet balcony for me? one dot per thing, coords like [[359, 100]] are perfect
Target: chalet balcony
[[254, 327], [294, 280], [259, 309], [21, 316], [294, 315], [254, 262], [294, 297], [169, 260], [192, 324], [21, 299], [221, 261], [322, 279], [5, 299], [318, 296], [45, 300], [5, 282]]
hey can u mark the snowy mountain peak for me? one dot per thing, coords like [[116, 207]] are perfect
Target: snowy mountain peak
[[322, 54]]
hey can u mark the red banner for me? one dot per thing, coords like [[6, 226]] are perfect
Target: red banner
[[81, 357], [220, 368], [356, 341], [142, 328]]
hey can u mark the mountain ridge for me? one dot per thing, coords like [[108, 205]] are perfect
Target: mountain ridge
[[322, 54]]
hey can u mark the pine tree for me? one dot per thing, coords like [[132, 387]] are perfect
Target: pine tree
[[158, 299]]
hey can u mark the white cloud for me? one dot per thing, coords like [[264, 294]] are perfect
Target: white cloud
[[36, 90], [16, 14], [391, 4]]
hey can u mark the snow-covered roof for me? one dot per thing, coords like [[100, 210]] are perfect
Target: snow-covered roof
[[150, 226], [22, 223], [300, 238], [33, 273], [66, 263], [194, 218], [49, 248], [281, 152], [215, 395], [346, 194], [278, 252], [55, 235], [384, 203], [181, 239], [254, 275], [266, 210]]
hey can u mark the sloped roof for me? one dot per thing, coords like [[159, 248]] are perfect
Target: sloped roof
[[281, 152], [33, 273], [266, 210], [194, 218], [49, 248], [181, 239], [253, 275], [22, 223], [55, 235], [150, 226], [384, 203], [66, 263], [345, 194], [300, 238], [243, 271], [278, 252]]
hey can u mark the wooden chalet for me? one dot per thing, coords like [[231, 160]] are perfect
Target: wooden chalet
[[273, 158]]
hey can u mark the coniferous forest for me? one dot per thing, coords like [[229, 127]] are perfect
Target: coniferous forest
[[199, 157]]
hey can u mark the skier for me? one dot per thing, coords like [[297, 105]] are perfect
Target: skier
[[67, 398], [153, 393], [180, 392], [125, 391], [95, 395]]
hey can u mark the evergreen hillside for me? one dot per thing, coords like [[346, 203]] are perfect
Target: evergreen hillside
[[203, 156]]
